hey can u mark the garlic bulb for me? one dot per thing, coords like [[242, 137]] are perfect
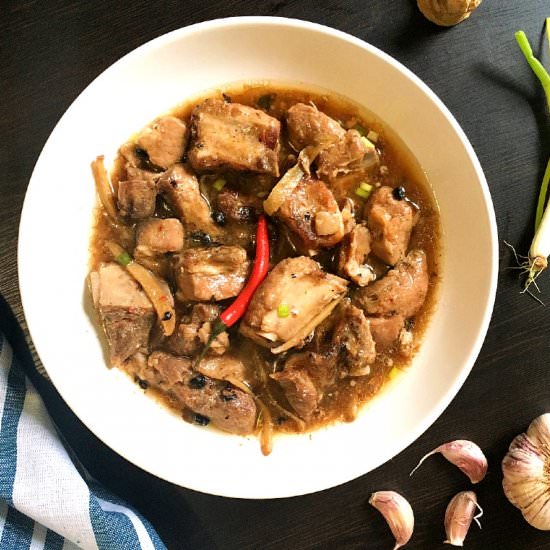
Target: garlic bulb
[[465, 455], [397, 512], [447, 12], [460, 512], [526, 470]]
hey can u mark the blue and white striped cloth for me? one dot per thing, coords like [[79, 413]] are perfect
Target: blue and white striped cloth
[[44, 502]]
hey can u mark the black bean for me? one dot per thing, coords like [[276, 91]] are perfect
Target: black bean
[[143, 384], [197, 382], [201, 420], [399, 193], [167, 316], [201, 237], [245, 213], [141, 154], [219, 217]]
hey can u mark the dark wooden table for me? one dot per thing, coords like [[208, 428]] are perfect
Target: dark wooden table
[[51, 50]]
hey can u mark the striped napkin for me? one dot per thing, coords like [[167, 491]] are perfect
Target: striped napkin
[[45, 503]]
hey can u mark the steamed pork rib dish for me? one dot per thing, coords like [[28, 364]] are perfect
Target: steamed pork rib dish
[[263, 260]]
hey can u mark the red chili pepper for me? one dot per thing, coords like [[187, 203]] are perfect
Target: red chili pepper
[[237, 309]]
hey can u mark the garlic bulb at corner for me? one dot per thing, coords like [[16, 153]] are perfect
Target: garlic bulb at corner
[[526, 470], [398, 514], [447, 13]]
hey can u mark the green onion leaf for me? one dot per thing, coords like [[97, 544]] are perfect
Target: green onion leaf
[[219, 184], [364, 190], [361, 129], [367, 143], [373, 136], [534, 63], [124, 259], [542, 196], [283, 311]]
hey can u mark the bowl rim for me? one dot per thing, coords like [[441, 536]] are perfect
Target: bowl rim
[[446, 398]]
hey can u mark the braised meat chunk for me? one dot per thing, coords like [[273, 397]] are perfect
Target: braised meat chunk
[[238, 206], [136, 198], [312, 215], [401, 292], [226, 406], [211, 273], [309, 126], [353, 340], [159, 236], [353, 254], [125, 312], [194, 330], [293, 299], [234, 136], [304, 379], [385, 330], [180, 187], [349, 154], [228, 367], [164, 141], [390, 221]]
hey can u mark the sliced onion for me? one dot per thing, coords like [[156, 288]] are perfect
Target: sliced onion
[[303, 332], [157, 290], [283, 189], [103, 187]]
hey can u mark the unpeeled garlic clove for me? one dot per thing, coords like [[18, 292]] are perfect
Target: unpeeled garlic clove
[[464, 454], [460, 512], [398, 514], [526, 482]]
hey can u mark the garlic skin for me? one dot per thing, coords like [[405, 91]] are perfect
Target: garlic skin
[[465, 455], [447, 13], [459, 515], [526, 469], [398, 514]]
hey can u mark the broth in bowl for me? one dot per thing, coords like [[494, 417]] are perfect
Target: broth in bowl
[[354, 251]]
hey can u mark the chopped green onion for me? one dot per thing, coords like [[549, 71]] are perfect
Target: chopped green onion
[[283, 311], [364, 190], [219, 184], [373, 136], [394, 373], [361, 129], [124, 258], [367, 143]]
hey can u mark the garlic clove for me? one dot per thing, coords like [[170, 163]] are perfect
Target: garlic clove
[[398, 514], [526, 483], [466, 455], [460, 512]]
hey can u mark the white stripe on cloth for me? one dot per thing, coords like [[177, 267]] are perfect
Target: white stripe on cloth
[[5, 362], [38, 537], [68, 545], [143, 535], [47, 486], [3, 515]]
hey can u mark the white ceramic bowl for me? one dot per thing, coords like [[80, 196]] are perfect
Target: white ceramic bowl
[[156, 77]]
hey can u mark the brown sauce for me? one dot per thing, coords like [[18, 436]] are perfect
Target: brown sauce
[[345, 399]]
